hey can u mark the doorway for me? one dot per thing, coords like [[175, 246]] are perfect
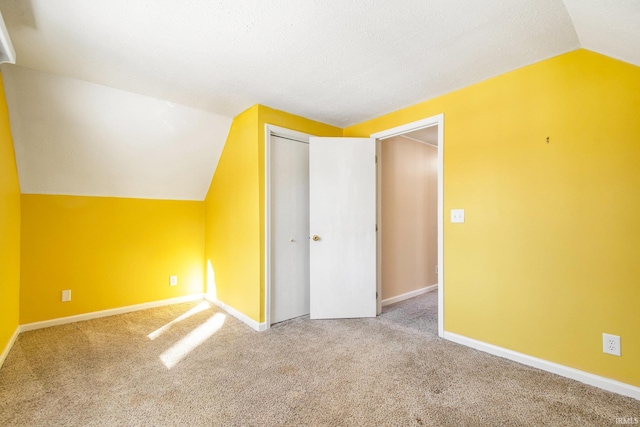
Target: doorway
[[413, 249], [408, 221], [289, 228], [287, 224], [329, 184]]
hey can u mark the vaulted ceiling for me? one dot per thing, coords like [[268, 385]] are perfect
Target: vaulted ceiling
[[134, 98]]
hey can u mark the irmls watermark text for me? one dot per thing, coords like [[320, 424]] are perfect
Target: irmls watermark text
[[627, 421]]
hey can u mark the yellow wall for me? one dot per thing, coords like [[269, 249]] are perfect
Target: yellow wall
[[9, 230], [232, 230], [234, 209], [109, 252], [547, 259]]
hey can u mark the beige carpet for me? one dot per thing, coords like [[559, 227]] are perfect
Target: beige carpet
[[389, 371]]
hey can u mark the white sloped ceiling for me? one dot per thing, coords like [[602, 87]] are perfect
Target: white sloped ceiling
[[608, 27], [78, 138], [340, 62]]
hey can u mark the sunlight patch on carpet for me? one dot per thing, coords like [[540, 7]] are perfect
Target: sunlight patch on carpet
[[197, 309], [172, 356]]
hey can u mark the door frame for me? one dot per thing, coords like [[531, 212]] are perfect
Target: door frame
[[269, 131], [437, 120]]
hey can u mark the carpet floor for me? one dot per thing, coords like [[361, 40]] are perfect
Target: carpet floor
[[193, 365]]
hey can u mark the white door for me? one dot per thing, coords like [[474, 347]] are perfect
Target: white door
[[289, 229], [342, 182]]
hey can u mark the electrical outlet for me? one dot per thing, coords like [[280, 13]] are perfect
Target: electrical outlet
[[173, 280], [66, 296], [457, 216], [611, 344]]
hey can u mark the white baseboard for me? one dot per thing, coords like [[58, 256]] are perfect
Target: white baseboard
[[408, 295], [9, 345], [564, 371], [238, 315], [110, 312]]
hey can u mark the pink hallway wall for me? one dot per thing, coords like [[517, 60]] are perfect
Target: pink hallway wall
[[409, 220]]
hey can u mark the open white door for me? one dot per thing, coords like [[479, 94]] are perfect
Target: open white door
[[342, 198]]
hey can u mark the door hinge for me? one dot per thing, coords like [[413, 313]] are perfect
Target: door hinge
[[376, 295], [376, 227], [376, 159]]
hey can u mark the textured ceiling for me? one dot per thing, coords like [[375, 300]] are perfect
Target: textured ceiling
[[336, 61], [340, 62]]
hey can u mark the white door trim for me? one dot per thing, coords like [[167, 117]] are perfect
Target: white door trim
[[420, 124], [270, 130]]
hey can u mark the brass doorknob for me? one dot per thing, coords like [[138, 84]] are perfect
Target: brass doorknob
[[315, 237]]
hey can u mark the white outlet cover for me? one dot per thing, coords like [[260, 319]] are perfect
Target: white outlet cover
[[173, 280], [457, 216], [66, 296], [611, 344]]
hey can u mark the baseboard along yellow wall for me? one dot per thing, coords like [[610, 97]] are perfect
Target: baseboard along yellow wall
[[9, 230], [546, 260], [110, 252], [234, 209]]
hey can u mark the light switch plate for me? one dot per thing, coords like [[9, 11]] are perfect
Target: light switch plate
[[457, 215], [66, 296]]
